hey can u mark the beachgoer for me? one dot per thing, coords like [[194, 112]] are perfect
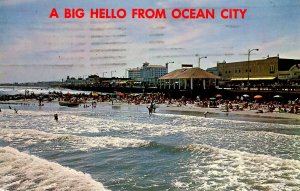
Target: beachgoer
[[154, 108], [94, 104], [152, 105], [226, 107], [205, 113], [40, 102], [259, 111], [9, 107], [150, 109], [16, 111], [56, 117]]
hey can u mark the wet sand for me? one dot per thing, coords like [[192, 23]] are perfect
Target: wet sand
[[218, 111], [246, 115]]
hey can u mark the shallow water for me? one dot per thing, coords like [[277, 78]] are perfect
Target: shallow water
[[124, 148]]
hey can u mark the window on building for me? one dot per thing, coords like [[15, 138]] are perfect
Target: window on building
[[272, 69]]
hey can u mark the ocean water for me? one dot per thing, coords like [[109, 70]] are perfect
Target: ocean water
[[123, 148], [13, 90]]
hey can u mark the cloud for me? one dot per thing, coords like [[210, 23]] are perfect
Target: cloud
[[54, 44], [286, 46], [73, 42]]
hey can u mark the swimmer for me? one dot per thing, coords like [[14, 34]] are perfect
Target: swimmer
[[56, 117]]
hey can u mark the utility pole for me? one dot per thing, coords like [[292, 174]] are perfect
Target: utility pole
[[200, 59], [249, 52], [167, 66], [111, 73]]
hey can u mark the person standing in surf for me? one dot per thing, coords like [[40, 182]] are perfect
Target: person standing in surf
[[56, 117]]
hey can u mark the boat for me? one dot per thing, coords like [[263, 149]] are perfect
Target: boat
[[68, 103]]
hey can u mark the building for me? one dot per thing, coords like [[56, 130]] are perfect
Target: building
[[75, 81], [135, 74], [148, 74], [93, 79], [269, 69], [213, 70], [151, 73], [188, 78]]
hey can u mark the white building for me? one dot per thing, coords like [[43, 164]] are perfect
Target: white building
[[151, 73], [148, 73]]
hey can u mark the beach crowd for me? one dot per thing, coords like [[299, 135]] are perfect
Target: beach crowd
[[244, 102]]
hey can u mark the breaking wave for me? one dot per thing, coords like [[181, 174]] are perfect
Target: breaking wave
[[20, 171], [30, 137], [213, 168]]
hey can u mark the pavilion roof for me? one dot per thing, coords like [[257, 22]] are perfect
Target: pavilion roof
[[188, 73]]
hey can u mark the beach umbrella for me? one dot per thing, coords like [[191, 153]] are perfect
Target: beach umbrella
[[212, 99], [258, 97], [277, 96], [94, 93], [218, 96], [246, 95], [121, 94], [68, 94]]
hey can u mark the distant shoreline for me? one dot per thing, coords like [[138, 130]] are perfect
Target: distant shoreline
[[189, 109]]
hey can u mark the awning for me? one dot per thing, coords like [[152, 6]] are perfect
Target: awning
[[253, 79]]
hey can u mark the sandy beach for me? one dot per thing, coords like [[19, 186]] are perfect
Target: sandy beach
[[218, 111]]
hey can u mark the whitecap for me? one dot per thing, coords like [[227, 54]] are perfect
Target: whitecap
[[30, 137], [23, 172], [213, 168]]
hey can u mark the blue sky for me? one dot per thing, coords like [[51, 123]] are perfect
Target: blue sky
[[36, 48]]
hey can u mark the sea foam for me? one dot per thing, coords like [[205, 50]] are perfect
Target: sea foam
[[30, 137], [221, 169], [20, 171]]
